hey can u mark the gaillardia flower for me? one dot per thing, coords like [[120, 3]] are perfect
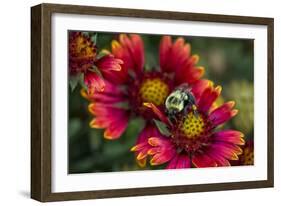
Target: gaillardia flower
[[85, 59], [126, 90], [193, 139]]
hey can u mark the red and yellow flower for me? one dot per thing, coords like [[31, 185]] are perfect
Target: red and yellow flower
[[194, 139], [84, 59], [125, 91]]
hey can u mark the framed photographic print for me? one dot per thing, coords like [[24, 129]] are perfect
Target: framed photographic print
[[132, 102]]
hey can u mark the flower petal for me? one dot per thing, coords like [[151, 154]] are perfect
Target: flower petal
[[179, 162], [163, 157], [114, 120], [208, 97], [162, 150], [203, 160], [111, 94], [199, 87], [118, 77], [174, 57], [183, 162], [138, 52], [142, 146], [142, 162], [221, 161], [116, 129], [226, 151], [189, 72], [165, 46], [230, 136], [173, 163], [130, 51], [158, 112], [108, 63], [223, 113], [93, 82], [156, 141]]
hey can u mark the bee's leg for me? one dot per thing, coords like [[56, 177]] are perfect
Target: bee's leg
[[172, 119], [185, 110]]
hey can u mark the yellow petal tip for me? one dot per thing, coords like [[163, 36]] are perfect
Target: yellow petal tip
[[218, 89]]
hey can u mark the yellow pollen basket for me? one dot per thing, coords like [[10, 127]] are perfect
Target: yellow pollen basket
[[192, 126], [154, 91]]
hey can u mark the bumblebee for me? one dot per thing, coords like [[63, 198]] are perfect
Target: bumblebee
[[180, 101]]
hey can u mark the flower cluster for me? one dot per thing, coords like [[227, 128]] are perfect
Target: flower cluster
[[133, 85], [85, 60], [193, 139], [124, 89]]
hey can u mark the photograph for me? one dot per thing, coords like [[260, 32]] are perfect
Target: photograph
[[159, 102], [133, 102]]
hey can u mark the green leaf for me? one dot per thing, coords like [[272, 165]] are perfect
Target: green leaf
[[73, 81], [81, 81], [94, 38], [95, 70], [101, 54], [85, 33], [74, 127], [162, 127]]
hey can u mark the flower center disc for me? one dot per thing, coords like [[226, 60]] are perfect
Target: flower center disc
[[154, 91], [84, 47], [248, 156], [192, 126]]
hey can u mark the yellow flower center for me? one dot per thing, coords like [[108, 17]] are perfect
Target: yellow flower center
[[248, 156], [84, 47], [192, 126], [154, 91]]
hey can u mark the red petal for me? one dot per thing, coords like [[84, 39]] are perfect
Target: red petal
[[142, 146], [173, 56], [208, 97], [188, 72], [203, 160], [199, 87], [130, 51], [159, 113], [163, 157], [223, 113], [119, 52], [114, 120], [94, 82], [148, 131], [111, 94], [183, 161], [224, 151], [221, 161], [231, 147], [173, 163], [230, 136], [116, 129], [138, 51], [108, 63], [165, 46]]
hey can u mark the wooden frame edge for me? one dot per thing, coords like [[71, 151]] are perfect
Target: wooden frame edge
[[41, 101], [36, 58]]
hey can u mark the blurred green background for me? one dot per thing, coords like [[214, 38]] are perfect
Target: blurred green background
[[228, 62]]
